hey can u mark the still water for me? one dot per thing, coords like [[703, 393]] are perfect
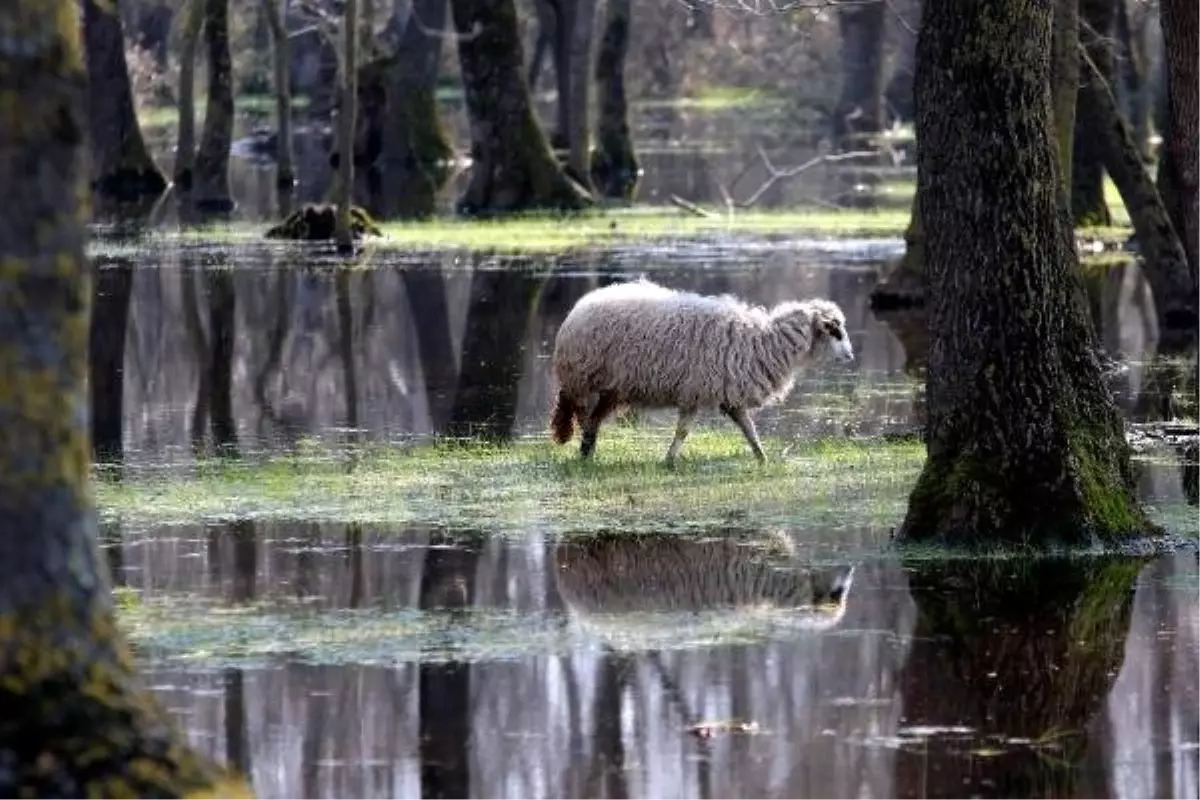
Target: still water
[[349, 660]]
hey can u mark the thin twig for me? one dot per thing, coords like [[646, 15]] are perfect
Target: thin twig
[[775, 174]]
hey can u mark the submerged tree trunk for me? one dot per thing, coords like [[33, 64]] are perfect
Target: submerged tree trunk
[[514, 169], [343, 233], [112, 288], [185, 149], [121, 165], [414, 151], [1088, 206], [76, 719], [222, 334], [859, 111], [212, 159], [614, 167], [1014, 653], [285, 155], [1025, 444]]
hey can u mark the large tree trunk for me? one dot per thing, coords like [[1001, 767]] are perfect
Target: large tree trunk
[[614, 167], [1178, 171], [414, 151], [1132, 70], [285, 154], [579, 36], [1164, 261], [348, 109], [859, 111], [76, 718], [514, 169], [185, 149], [222, 335], [1025, 444], [212, 159], [1088, 206], [121, 165]]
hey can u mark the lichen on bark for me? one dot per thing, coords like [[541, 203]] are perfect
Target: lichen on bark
[[76, 721], [1024, 441]]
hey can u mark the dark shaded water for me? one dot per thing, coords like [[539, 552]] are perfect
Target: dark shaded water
[[349, 660]]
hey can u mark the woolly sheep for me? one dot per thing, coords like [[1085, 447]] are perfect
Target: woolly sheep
[[647, 346]]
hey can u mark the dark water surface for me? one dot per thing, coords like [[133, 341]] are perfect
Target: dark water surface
[[345, 660]]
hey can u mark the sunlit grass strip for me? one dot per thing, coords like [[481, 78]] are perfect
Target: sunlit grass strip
[[531, 483]]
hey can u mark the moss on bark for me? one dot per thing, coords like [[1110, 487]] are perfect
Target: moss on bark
[[1025, 443], [514, 168], [76, 719]]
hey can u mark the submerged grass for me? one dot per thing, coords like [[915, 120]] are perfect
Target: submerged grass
[[532, 484]]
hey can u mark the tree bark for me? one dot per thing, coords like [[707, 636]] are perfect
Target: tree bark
[[285, 154], [1178, 171], [222, 334], [514, 169], [77, 720], [414, 150], [1025, 445], [1164, 261], [212, 159], [859, 110], [343, 233], [614, 167], [1135, 91], [112, 288], [1088, 206], [185, 150], [579, 129], [121, 165]]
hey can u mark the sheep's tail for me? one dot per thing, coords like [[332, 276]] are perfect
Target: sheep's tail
[[562, 419]]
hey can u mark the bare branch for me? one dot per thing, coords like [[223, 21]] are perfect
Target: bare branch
[[763, 8], [775, 174]]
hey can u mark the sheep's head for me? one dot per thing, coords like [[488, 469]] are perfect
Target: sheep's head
[[821, 323]]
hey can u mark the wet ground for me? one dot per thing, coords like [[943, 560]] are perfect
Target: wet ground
[[779, 654]]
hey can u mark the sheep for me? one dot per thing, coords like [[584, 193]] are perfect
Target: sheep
[[647, 346]]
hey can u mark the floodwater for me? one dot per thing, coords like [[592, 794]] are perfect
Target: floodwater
[[350, 660]]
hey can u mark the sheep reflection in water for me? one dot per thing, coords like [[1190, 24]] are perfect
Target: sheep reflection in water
[[659, 590]]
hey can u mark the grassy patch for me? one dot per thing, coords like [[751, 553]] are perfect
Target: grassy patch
[[509, 489], [717, 98], [543, 233]]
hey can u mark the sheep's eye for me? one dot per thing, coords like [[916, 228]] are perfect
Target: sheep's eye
[[833, 330]]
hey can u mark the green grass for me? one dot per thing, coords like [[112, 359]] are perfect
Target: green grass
[[168, 116], [508, 489], [541, 233]]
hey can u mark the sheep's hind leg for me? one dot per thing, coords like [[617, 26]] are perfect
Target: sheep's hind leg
[[743, 421], [682, 428], [604, 405]]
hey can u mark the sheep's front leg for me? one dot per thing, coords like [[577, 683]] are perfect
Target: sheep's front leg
[[743, 421], [682, 428]]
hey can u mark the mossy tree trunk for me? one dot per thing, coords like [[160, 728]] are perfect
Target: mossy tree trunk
[[112, 288], [121, 165], [285, 155], [1164, 263], [77, 720], [212, 158], [1178, 171], [614, 166], [514, 168], [858, 114], [344, 190], [414, 150], [1014, 650], [185, 149], [1088, 206], [1025, 444]]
